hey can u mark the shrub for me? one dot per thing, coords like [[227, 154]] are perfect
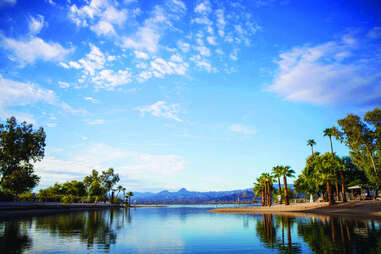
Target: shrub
[[6, 196], [67, 199]]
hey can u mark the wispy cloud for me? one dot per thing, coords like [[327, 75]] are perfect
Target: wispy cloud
[[90, 99], [243, 129], [96, 122], [161, 109], [29, 50], [141, 166], [36, 24], [339, 71]]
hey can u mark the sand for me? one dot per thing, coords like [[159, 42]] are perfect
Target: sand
[[364, 208]]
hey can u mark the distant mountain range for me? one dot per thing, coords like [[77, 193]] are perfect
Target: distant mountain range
[[183, 196], [192, 197]]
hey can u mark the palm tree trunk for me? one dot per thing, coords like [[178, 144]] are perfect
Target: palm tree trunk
[[312, 150], [337, 182], [268, 194], [329, 190], [343, 196], [279, 189], [263, 197], [288, 232], [285, 191]]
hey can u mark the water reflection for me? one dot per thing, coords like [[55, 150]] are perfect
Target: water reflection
[[341, 235], [14, 237], [323, 234], [187, 230], [271, 231]]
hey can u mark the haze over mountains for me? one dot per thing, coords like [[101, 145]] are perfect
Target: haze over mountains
[[183, 196], [192, 197]]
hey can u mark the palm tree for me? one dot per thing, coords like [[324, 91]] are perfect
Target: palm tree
[[277, 174], [331, 132], [268, 179], [286, 171], [311, 143], [119, 189], [130, 194], [259, 189], [327, 173]]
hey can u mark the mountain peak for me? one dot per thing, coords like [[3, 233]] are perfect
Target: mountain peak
[[183, 190]]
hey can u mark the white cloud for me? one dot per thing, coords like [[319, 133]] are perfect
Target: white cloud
[[96, 122], [14, 93], [176, 58], [243, 129], [109, 79], [203, 7], [140, 54], [128, 164], [375, 32], [211, 40], [36, 24], [93, 61], [90, 99], [146, 38], [220, 22], [334, 72], [63, 84], [102, 14], [34, 48], [161, 109], [51, 125], [103, 28]]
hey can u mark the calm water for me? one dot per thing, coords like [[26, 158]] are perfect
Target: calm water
[[187, 229]]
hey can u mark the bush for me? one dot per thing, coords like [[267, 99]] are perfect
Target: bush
[[67, 199], [6, 196], [26, 197]]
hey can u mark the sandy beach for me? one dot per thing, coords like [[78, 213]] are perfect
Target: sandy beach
[[365, 208]]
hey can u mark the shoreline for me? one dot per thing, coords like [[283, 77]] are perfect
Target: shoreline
[[364, 208], [17, 209]]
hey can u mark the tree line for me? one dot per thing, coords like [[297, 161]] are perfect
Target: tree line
[[329, 175], [21, 146]]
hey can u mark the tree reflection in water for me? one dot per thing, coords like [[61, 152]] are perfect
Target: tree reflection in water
[[271, 231], [97, 228], [322, 234], [340, 235], [94, 227], [14, 237]]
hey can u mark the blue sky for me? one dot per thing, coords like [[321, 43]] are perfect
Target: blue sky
[[205, 95]]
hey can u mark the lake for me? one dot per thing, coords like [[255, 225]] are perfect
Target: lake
[[187, 229]]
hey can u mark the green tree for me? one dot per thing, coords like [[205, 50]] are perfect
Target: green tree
[[311, 143], [259, 189], [20, 147], [129, 195], [307, 181], [97, 190], [120, 188], [109, 179], [88, 180], [286, 171], [327, 166], [363, 137]]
